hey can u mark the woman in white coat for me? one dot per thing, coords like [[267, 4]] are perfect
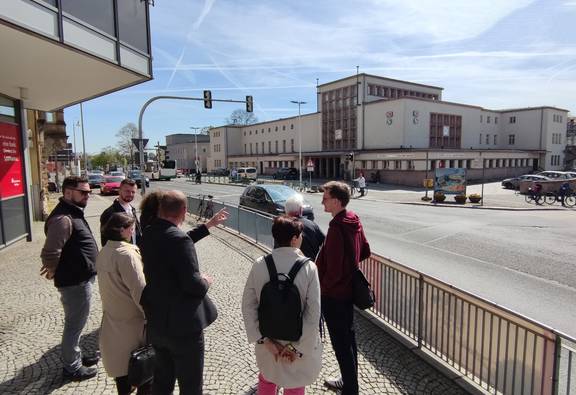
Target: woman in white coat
[[121, 281], [294, 365]]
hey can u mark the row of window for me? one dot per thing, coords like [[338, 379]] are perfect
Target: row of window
[[268, 164], [217, 162], [269, 129], [556, 138], [336, 94], [395, 93], [555, 160], [489, 119], [441, 163], [216, 133], [557, 118], [253, 147], [217, 148]]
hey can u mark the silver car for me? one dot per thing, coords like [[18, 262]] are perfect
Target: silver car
[[514, 183]]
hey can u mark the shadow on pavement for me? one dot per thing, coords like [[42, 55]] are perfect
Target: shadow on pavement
[[45, 375]]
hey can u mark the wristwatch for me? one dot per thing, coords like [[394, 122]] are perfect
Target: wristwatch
[[261, 340]]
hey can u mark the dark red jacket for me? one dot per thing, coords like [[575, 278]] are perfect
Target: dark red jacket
[[344, 247]]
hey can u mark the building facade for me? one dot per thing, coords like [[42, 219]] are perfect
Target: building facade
[[398, 132], [191, 151], [55, 54]]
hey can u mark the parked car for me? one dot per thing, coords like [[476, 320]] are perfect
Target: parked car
[[99, 172], [117, 174], [110, 185], [514, 182], [221, 171], [286, 173], [95, 180], [271, 198], [137, 176], [556, 175], [247, 172]]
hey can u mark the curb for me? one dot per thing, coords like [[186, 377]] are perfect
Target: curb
[[481, 207]]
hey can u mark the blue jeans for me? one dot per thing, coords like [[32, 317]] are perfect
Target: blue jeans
[[76, 302]]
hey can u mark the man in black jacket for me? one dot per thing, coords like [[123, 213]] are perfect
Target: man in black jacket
[[312, 235], [126, 195], [69, 258], [175, 298]]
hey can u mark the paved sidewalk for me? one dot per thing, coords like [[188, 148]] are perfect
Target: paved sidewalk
[[31, 325]]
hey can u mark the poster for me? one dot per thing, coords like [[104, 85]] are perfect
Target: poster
[[450, 181], [11, 177]]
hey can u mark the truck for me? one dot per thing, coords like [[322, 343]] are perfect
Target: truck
[[164, 170]]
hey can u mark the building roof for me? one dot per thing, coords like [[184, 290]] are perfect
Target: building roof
[[382, 78], [181, 138]]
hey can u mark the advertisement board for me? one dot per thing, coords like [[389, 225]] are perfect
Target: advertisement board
[[11, 177], [450, 181]]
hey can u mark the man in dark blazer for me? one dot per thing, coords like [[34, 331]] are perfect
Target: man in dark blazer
[[126, 195], [175, 299]]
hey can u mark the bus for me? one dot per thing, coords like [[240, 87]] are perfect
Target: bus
[[165, 170]]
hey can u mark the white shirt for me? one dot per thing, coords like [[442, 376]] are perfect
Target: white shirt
[[361, 182], [128, 208]]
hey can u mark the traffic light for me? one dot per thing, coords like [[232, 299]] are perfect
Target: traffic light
[[207, 99], [350, 157], [249, 104]]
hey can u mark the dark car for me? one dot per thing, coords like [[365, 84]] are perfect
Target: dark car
[[286, 173], [271, 198], [137, 176], [221, 171], [95, 180]]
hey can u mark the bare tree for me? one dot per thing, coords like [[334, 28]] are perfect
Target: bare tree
[[125, 136], [241, 117]]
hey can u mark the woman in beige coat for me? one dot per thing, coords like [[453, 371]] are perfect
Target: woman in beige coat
[[121, 281], [294, 365]]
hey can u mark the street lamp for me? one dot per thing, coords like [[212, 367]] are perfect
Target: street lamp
[[299, 139], [195, 128], [76, 158], [83, 141]]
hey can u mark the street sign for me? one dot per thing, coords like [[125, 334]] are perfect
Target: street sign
[[136, 142], [338, 134], [310, 165]]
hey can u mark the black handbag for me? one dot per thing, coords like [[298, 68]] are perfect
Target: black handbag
[[141, 365], [363, 295]]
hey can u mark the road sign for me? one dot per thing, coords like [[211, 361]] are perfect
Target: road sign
[[310, 165], [136, 142]]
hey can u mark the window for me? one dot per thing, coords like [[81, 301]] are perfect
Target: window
[[511, 139], [269, 129], [245, 149], [276, 129], [496, 120], [512, 119], [291, 126], [480, 141], [276, 146], [385, 164], [481, 118], [292, 145], [262, 146], [487, 139], [244, 133], [469, 163], [410, 164], [283, 127], [495, 139], [283, 145], [250, 148], [269, 147], [487, 119], [256, 148], [397, 164], [250, 132]]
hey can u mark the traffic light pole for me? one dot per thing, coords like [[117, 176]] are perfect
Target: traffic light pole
[[140, 134]]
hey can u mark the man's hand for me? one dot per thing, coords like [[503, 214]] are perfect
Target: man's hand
[[208, 279], [46, 272], [288, 354], [220, 217], [273, 347]]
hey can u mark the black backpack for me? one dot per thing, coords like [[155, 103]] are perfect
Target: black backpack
[[280, 309]]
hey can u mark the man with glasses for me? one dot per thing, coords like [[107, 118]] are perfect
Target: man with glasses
[[69, 258], [345, 246], [126, 195]]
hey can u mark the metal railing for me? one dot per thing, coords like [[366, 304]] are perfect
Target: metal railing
[[494, 348]]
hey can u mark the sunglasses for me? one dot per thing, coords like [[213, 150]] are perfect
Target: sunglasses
[[82, 191]]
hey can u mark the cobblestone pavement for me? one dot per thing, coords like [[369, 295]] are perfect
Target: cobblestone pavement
[[31, 322]]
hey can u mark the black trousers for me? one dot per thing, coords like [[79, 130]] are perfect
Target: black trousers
[[182, 359], [339, 318], [124, 388]]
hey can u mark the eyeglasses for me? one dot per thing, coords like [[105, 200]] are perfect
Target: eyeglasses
[[82, 191]]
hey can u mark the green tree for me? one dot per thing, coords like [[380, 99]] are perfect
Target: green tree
[[125, 135], [107, 157], [241, 117]]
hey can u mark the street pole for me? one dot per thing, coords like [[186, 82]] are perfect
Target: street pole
[[483, 173], [83, 141], [299, 138], [426, 175], [76, 159], [195, 128]]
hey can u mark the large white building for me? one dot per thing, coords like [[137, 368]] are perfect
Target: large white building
[[397, 130]]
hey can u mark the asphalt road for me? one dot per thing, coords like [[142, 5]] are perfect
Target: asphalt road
[[523, 260]]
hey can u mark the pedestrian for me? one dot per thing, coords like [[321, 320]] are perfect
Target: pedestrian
[[234, 174], [122, 204], [121, 282], [175, 300], [361, 183], [290, 365], [345, 246], [198, 177], [312, 235], [69, 258], [564, 191], [149, 208]]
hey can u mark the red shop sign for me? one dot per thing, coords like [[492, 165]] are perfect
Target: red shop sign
[[11, 179]]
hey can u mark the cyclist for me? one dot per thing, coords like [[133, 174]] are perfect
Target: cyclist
[[361, 183], [563, 192]]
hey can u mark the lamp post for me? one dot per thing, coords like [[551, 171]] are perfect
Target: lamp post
[[83, 141], [195, 128], [299, 139], [76, 158]]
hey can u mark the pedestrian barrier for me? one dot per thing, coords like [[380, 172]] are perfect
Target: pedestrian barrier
[[497, 350]]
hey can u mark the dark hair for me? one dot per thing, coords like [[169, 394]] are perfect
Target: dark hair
[[284, 228], [338, 190], [112, 229], [149, 207], [72, 182], [128, 181], [171, 203]]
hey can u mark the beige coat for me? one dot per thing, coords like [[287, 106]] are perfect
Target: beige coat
[[121, 281], [302, 371]]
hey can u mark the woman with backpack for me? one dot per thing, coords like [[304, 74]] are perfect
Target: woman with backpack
[[282, 313]]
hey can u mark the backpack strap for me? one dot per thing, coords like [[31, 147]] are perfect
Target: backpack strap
[[271, 267], [296, 268]]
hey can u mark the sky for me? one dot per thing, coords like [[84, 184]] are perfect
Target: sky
[[495, 54]]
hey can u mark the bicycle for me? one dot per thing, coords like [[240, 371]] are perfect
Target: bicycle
[[205, 208], [534, 196]]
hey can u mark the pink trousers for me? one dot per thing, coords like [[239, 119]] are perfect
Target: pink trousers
[[267, 388]]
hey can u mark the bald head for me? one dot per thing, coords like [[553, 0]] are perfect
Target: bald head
[[173, 206]]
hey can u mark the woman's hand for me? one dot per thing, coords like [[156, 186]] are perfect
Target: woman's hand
[[273, 347]]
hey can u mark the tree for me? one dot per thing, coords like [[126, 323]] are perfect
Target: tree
[[107, 157], [125, 135], [241, 117]]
